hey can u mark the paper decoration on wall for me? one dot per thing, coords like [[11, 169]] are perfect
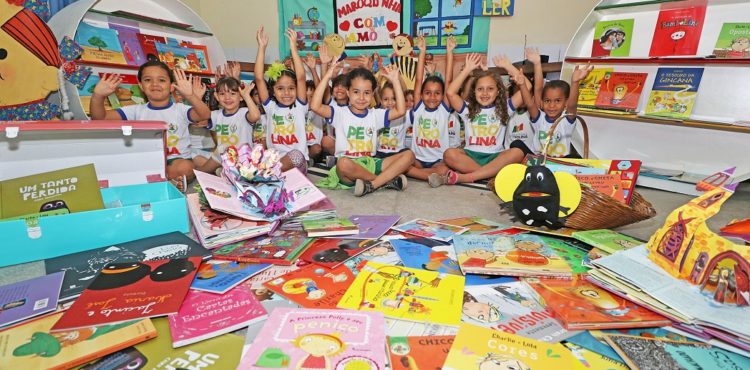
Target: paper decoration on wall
[[492, 8], [335, 45], [368, 24], [403, 58]]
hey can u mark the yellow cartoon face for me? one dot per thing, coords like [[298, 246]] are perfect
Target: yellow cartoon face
[[402, 45], [598, 298], [335, 44], [320, 344], [620, 91], [482, 254]]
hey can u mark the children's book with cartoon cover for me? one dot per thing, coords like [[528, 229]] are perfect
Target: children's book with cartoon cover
[[372, 226], [419, 352], [406, 293], [478, 225], [313, 286], [295, 338], [612, 38], [593, 340], [222, 196], [607, 184], [29, 298], [607, 240], [515, 255], [100, 44], [593, 360], [31, 345], [278, 248], [733, 41], [620, 91], [678, 28], [148, 45], [484, 348], [219, 277], [431, 229], [569, 251], [674, 92], [381, 251], [131, 47], [333, 252], [329, 227], [626, 169], [215, 229]]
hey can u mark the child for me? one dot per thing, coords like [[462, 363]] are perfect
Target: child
[[287, 111], [314, 125], [356, 132], [519, 124], [391, 140], [158, 82], [259, 130]]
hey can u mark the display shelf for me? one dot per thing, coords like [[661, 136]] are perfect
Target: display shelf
[[666, 121], [133, 68], [631, 4], [156, 22], [658, 60]]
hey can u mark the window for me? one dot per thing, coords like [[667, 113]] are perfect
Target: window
[[438, 19]]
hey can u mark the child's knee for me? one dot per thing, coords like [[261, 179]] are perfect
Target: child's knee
[[408, 154], [451, 155], [345, 166], [180, 167]]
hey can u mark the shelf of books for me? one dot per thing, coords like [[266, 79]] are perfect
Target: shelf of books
[[667, 86]]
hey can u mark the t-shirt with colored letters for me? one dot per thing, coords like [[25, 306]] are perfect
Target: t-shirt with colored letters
[[560, 144], [357, 134], [485, 132], [177, 117], [430, 134], [232, 129], [285, 126], [392, 139]]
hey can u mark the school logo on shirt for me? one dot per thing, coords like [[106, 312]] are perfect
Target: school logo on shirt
[[485, 128], [555, 148], [428, 133], [172, 140], [389, 139], [226, 134], [283, 130], [360, 141]]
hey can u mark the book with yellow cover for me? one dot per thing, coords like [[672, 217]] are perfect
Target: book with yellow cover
[[589, 87], [406, 293]]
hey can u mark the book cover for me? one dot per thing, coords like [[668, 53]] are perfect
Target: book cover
[[222, 196], [620, 91], [99, 44], [131, 47], [278, 248], [673, 93], [148, 45], [431, 229], [329, 227], [318, 339], [179, 57], [593, 340], [612, 38], [626, 169], [75, 189], [305, 194], [131, 290], [29, 298], [589, 87], [418, 352], [205, 315], [568, 251], [492, 349], [313, 286], [733, 41], [218, 277], [581, 305], [199, 59], [678, 29], [607, 240], [406, 293], [32, 345], [607, 184], [478, 225], [215, 229], [81, 268], [380, 251], [593, 360], [333, 252], [373, 226]]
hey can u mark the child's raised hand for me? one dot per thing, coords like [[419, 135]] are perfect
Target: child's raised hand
[[502, 61], [325, 58], [107, 85], [246, 89], [451, 44], [517, 77], [199, 88], [392, 73], [421, 44], [291, 35], [310, 61], [473, 61], [261, 37], [532, 54], [332, 70], [366, 61], [182, 84], [580, 73], [233, 69]]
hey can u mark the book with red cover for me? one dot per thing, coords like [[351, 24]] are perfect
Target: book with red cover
[[333, 252], [620, 91], [131, 290], [278, 248], [678, 29], [148, 45], [313, 286]]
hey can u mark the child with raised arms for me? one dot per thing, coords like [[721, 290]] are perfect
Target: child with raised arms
[[519, 124]]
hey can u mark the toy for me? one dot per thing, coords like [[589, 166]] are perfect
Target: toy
[[335, 45]]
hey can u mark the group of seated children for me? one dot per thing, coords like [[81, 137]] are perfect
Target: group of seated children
[[369, 114]]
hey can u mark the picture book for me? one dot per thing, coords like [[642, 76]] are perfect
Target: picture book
[[222, 196], [318, 339], [74, 189], [405, 293], [589, 87], [581, 305], [215, 229], [278, 248], [607, 184], [607, 240], [179, 57], [313, 286], [568, 251], [649, 353], [222, 352], [131, 290], [305, 194], [24, 299], [205, 315], [673, 93], [127, 93], [478, 225], [487, 348], [403, 328], [733, 41], [678, 29], [200, 58], [131, 47], [148, 45], [620, 91], [257, 280], [431, 229], [81, 268], [593, 360], [626, 169], [511, 307], [593, 340], [99, 44], [612, 38], [419, 352], [31, 345], [218, 277], [372, 226], [381, 251], [329, 227], [333, 252], [515, 255]]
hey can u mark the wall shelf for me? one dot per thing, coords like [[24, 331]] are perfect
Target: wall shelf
[[133, 68], [154, 21], [658, 60]]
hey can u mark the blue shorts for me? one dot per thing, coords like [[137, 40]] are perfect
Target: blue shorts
[[428, 164]]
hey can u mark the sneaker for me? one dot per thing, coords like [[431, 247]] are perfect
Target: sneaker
[[398, 183], [362, 187], [435, 180], [311, 162], [330, 161]]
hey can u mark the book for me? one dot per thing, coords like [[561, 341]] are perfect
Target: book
[[626, 169], [333, 252], [478, 225], [372, 226], [607, 184], [678, 29], [487, 348], [593, 360], [74, 189], [148, 45], [329, 227], [418, 352], [405, 293], [515, 255], [179, 57], [31, 345], [99, 44], [219, 277], [24, 299], [324, 339], [131, 47], [199, 59], [593, 340], [205, 315], [313, 286], [131, 290], [305, 194], [568, 251], [733, 41], [431, 229], [81, 268], [215, 229], [278, 248], [589, 87], [607, 240], [620, 91], [381, 251], [612, 38], [674, 91]]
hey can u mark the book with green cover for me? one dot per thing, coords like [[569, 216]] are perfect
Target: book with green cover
[[612, 38], [733, 41], [572, 255], [329, 227], [607, 240]]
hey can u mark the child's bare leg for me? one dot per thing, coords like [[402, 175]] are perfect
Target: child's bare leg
[[329, 144], [393, 166], [203, 164], [512, 155], [315, 151], [459, 161], [418, 172], [349, 171], [293, 159], [178, 168]]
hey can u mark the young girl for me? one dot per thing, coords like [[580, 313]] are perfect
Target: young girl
[[356, 132], [391, 140], [519, 124], [158, 82], [286, 112], [314, 125]]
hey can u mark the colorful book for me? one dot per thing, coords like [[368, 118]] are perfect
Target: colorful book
[[215, 229], [372, 226], [678, 29], [29, 298], [593, 360], [199, 59], [205, 315], [478, 225], [405, 293], [626, 169], [620, 91], [593, 340], [733, 41], [568, 251], [419, 352], [32, 345], [278, 248], [313, 286], [612, 38], [607, 240], [305, 194], [131, 47], [222, 196], [148, 45], [333, 252], [329, 227], [179, 57], [131, 290], [491, 349], [73, 189], [379, 251], [431, 229], [218, 277], [674, 91], [589, 87], [607, 184], [99, 44]]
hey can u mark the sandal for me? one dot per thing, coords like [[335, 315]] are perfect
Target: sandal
[[180, 183]]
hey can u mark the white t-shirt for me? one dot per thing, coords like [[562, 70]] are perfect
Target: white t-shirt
[[393, 138], [259, 130], [314, 128], [454, 131], [233, 129], [430, 134], [560, 144], [285, 126], [357, 134], [177, 117], [520, 128], [485, 132]]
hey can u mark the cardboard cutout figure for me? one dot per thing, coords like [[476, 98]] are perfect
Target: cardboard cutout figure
[[403, 58], [335, 45]]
